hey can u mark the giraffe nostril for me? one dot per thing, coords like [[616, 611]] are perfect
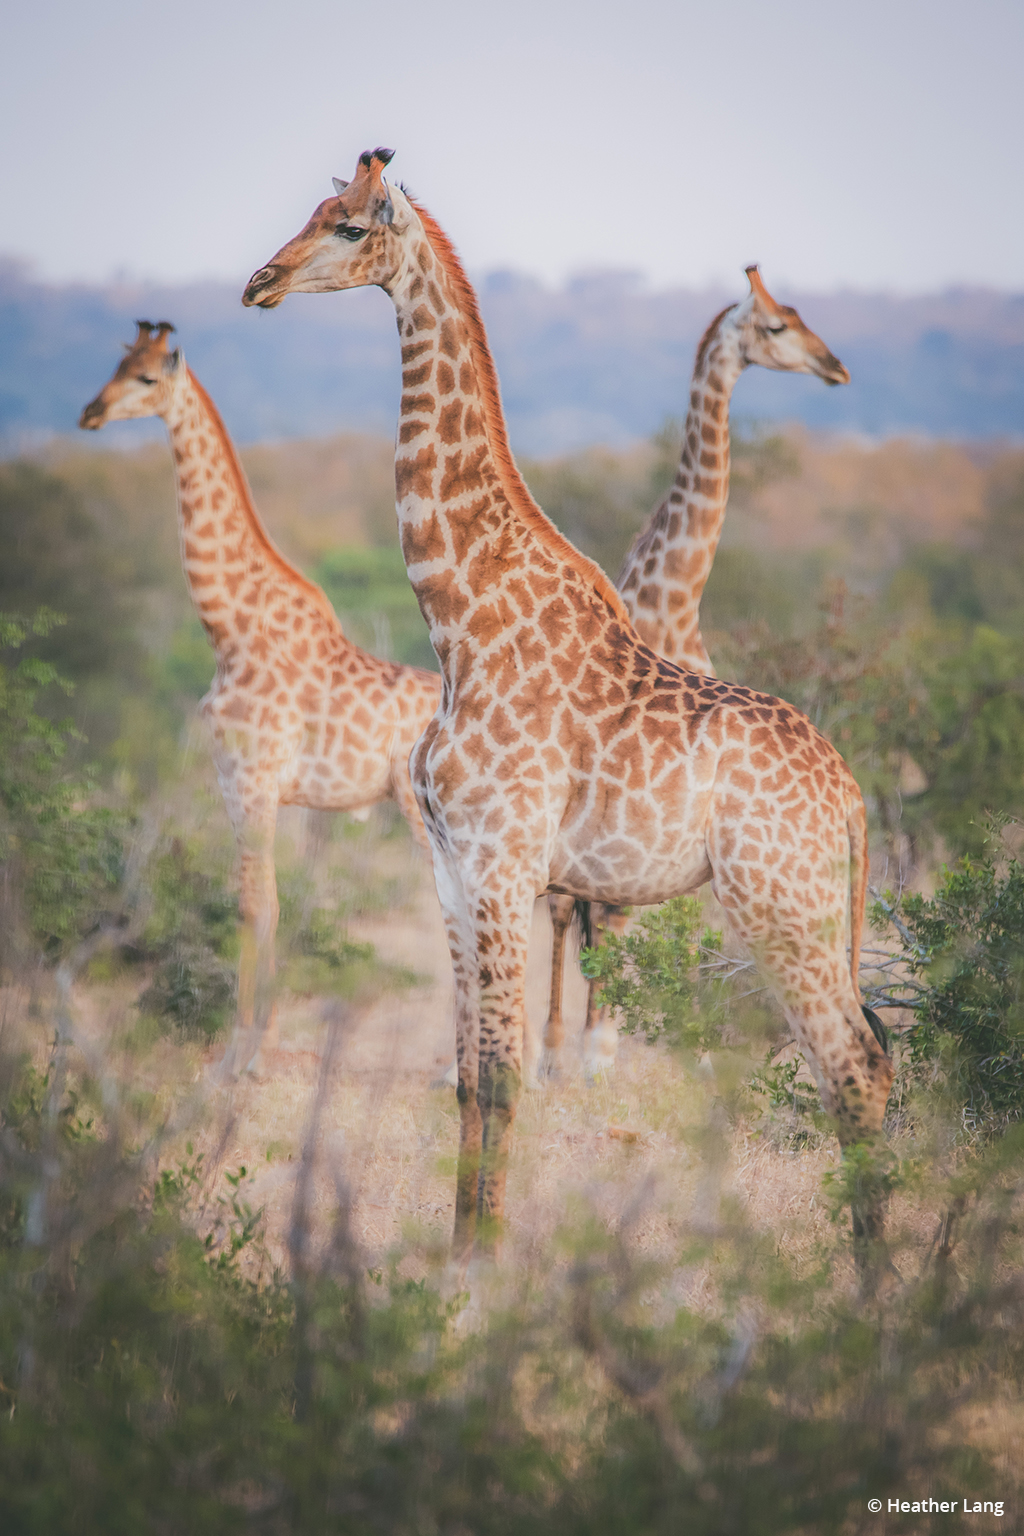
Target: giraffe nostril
[[258, 283], [261, 278]]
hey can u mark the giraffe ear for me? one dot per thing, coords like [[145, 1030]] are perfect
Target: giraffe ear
[[175, 361], [339, 185]]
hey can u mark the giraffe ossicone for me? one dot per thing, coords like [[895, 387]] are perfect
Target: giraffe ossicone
[[566, 756], [298, 714]]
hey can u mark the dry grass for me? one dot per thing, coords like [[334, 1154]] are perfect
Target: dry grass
[[621, 1144], [623, 1148]]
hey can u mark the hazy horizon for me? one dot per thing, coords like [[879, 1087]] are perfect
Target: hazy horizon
[[723, 285], [602, 359]]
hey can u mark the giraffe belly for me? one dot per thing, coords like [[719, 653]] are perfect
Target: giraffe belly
[[627, 873], [347, 781]]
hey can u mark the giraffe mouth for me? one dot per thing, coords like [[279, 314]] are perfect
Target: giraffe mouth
[[91, 418]]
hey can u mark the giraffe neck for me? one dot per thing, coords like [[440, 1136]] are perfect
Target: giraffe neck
[[667, 569], [226, 553], [479, 551]]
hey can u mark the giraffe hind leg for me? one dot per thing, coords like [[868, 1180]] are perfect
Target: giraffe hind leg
[[600, 1032], [501, 925], [802, 953], [561, 909]]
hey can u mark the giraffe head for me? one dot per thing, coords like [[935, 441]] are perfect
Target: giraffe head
[[774, 336], [143, 382], [350, 242]]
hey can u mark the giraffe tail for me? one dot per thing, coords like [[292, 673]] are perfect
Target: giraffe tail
[[857, 828], [582, 915]]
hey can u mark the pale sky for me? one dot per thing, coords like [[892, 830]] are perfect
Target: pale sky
[[868, 143]]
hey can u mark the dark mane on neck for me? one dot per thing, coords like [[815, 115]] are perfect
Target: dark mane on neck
[[519, 498]]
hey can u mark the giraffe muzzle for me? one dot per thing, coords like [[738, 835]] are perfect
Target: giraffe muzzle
[[260, 289], [92, 417], [833, 371]]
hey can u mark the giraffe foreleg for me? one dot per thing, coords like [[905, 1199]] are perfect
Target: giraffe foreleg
[[462, 949], [501, 922], [405, 799], [256, 1013]]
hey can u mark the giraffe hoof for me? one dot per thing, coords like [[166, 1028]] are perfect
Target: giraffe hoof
[[450, 1079], [599, 1071], [549, 1068]]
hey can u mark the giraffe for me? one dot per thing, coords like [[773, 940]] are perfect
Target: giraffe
[[567, 756], [298, 714], [666, 569], [664, 574]]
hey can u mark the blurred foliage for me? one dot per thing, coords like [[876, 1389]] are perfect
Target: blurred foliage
[[600, 500], [189, 664], [60, 855], [324, 962], [56, 558], [929, 716], [318, 958], [159, 1371], [60, 556], [792, 1112], [963, 953], [377, 607], [191, 933]]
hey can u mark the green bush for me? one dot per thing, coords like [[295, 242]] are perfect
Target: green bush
[[192, 933], [323, 961], [650, 974], [963, 950]]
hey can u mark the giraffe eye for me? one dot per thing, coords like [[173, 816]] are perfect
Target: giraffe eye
[[776, 330], [350, 231], [143, 379]]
